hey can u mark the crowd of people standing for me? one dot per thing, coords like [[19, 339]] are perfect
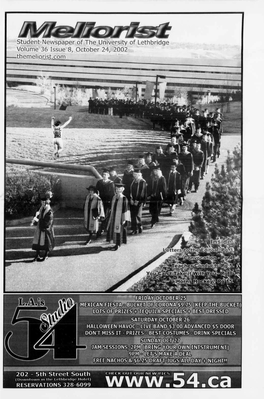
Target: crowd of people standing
[[165, 175], [162, 113]]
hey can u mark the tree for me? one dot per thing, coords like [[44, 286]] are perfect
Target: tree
[[198, 225], [221, 205]]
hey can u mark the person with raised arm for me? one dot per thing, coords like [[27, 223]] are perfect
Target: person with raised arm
[[57, 129]]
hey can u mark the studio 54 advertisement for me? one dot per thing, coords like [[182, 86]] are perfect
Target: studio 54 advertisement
[[123, 341], [123, 205]]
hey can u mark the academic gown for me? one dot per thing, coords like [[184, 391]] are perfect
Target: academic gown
[[127, 180], [157, 192], [106, 190], [174, 187], [93, 210], [119, 215], [137, 198], [44, 238]]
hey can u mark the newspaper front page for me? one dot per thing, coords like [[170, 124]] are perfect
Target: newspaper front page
[[123, 203]]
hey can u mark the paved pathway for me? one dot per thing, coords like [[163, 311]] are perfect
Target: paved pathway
[[76, 267], [25, 99]]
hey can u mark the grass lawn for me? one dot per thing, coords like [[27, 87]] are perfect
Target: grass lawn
[[30, 113], [41, 118], [100, 140]]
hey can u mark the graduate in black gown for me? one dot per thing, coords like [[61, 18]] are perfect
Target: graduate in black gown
[[119, 216], [106, 190], [137, 199], [157, 191], [44, 239]]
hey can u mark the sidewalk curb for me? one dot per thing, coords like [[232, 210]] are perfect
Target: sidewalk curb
[[149, 268]]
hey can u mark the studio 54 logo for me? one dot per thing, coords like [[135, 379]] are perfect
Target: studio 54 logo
[[42, 331]]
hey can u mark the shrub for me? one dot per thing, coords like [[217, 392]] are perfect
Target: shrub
[[210, 261], [208, 266], [221, 206], [23, 190]]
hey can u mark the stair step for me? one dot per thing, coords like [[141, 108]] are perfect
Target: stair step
[[29, 231], [67, 249], [26, 242]]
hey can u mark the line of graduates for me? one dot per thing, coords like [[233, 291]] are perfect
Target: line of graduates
[[164, 114], [165, 176]]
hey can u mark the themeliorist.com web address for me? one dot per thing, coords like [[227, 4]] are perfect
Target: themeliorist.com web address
[[42, 56]]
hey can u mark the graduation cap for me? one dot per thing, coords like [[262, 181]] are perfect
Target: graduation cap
[[119, 185], [46, 195], [92, 188]]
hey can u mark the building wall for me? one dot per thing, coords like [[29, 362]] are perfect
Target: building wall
[[116, 72], [74, 189]]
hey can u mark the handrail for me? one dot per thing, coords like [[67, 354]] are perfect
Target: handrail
[[87, 168]]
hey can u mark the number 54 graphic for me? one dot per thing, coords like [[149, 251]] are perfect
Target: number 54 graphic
[[61, 337]]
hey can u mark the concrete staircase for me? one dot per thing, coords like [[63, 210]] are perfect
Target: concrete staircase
[[69, 235]]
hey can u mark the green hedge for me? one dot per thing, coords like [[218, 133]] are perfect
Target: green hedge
[[23, 190]]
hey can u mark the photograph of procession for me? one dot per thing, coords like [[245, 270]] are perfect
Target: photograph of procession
[[123, 158]]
